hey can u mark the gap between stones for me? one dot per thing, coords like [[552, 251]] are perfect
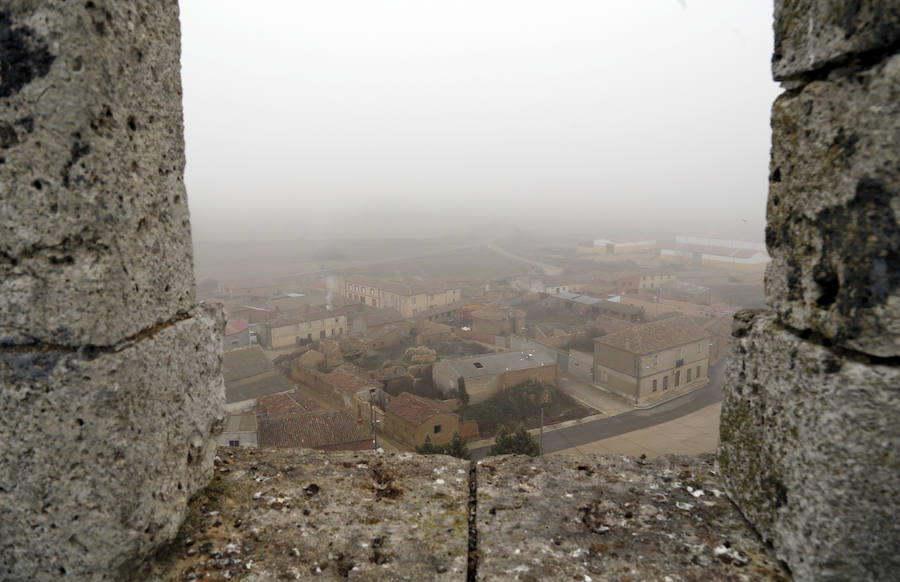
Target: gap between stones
[[90, 352], [472, 562], [839, 351], [844, 66]]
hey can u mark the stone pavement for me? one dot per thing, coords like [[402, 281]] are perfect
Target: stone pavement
[[691, 434]]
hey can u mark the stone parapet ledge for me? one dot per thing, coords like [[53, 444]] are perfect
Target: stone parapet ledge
[[809, 443], [300, 514]]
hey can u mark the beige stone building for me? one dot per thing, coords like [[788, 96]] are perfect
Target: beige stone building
[[303, 327], [411, 418], [410, 299], [486, 375], [498, 321], [644, 362]]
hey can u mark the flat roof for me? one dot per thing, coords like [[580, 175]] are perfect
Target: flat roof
[[499, 362]]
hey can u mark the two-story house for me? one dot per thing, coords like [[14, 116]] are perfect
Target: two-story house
[[410, 299], [646, 361]]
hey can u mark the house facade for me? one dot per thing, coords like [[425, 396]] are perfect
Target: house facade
[[411, 418], [237, 335], [240, 430], [498, 321], [645, 362], [410, 299], [302, 328]]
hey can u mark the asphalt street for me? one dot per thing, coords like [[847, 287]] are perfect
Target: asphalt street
[[602, 428]]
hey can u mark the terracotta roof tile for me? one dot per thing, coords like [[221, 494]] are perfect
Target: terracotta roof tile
[[416, 409], [656, 336], [312, 430]]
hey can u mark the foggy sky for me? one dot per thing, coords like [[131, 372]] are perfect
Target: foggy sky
[[415, 117]]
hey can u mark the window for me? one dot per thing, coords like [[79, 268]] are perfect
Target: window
[[234, 443], [689, 375], [654, 385], [656, 360], [677, 378], [437, 428], [665, 382], [700, 347], [698, 371]]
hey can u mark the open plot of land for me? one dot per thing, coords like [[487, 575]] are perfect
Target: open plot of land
[[471, 264], [691, 434], [522, 405]]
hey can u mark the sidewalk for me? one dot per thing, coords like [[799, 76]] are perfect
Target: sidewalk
[[691, 434], [586, 394]]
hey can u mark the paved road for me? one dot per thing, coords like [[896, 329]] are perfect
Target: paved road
[[602, 428]]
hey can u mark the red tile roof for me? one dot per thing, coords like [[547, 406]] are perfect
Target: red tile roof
[[348, 382], [236, 326], [656, 336], [312, 430], [416, 409], [280, 405]]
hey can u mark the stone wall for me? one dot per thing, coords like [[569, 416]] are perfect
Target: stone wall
[[110, 376], [809, 432]]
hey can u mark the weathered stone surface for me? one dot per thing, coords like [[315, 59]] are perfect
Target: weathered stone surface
[[811, 34], [301, 514], [834, 208], [612, 518], [102, 449], [810, 452], [95, 242]]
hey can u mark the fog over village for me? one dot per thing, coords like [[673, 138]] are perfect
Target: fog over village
[[384, 290], [432, 225]]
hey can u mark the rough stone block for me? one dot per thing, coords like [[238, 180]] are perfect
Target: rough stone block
[[834, 204], [102, 449], [95, 242], [612, 518], [810, 451], [811, 34], [298, 514]]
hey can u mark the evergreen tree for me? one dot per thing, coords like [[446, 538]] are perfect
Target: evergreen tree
[[427, 448], [463, 395], [457, 447], [519, 443]]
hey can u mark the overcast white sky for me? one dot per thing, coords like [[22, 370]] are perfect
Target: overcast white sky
[[409, 117]]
